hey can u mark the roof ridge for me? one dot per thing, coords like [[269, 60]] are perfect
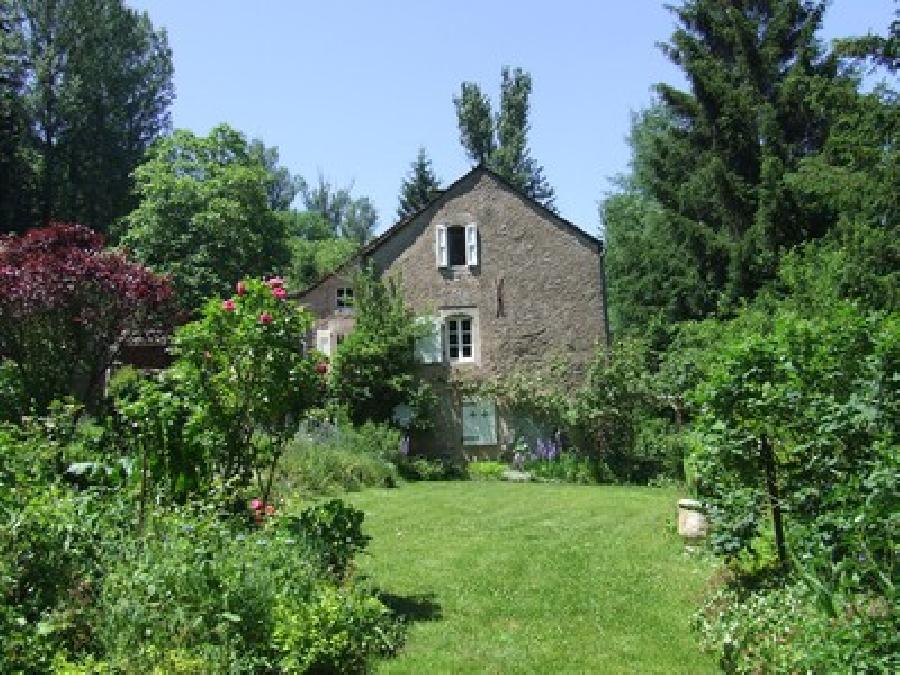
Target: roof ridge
[[393, 229]]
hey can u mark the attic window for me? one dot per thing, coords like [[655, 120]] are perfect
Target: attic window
[[457, 245]]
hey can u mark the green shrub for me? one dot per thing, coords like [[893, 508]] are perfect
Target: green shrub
[[786, 630], [428, 468], [333, 532], [200, 590], [342, 459], [11, 392], [486, 470], [375, 369], [569, 467], [333, 633]]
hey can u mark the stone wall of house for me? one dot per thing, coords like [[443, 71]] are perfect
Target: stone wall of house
[[537, 291], [321, 301]]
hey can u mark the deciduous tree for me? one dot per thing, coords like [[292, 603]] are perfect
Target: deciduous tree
[[65, 307], [501, 143], [204, 214]]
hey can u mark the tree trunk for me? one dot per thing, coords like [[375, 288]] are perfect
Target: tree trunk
[[768, 458]]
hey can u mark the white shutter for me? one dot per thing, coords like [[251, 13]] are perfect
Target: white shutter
[[440, 245], [479, 423], [471, 244], [430, 347], [323, 341]]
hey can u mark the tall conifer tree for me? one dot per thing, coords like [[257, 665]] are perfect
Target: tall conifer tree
[[419, 187]]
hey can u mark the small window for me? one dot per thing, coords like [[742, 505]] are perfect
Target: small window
[[459, 339], [345, 298], [456, 246]]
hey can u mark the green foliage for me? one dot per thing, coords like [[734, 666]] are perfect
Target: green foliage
[[203, 589], [502, 145], [314, 259], [618, 424], [348, 217], [429, 468], [11, 392], [204, 214], [822, 390], [375, 369], [239, 383], [89, 89], [52, 540], [419, 187], [569, 467], [785, 630], [333, 531], [345, 459], [486, 470], [337, 633]]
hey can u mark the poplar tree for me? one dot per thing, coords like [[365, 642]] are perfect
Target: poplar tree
[[501, 142]]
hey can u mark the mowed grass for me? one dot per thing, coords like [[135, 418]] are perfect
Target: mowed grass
[[535, 578]]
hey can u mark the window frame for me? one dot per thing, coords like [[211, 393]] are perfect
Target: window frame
[[453, 326], [341, 295]]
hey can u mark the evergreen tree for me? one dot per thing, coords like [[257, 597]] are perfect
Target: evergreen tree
[[763, 96], [712, 181], [419, 187], [502, 143]]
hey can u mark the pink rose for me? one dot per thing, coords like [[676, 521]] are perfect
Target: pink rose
[[265, 318], [228, 305], [276, 282], [241, 288], [256, 505], [279, 292]]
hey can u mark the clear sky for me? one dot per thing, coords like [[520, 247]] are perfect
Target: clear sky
[[351, 89]]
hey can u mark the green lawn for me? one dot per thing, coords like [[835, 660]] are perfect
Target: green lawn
[[505, 578]]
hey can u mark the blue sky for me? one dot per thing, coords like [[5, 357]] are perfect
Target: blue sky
[[352, 89]]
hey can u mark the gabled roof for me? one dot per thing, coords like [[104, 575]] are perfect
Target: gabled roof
[[401, 224]]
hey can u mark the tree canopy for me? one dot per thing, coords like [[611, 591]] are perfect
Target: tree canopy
[[501, 142], [204, 214], [87, 88]]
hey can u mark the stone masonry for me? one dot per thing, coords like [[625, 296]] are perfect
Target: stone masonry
[[536, 293]]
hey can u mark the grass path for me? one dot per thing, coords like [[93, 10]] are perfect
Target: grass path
[[535, 578]]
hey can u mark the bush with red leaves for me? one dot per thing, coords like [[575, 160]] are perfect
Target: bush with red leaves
[[65, 307]]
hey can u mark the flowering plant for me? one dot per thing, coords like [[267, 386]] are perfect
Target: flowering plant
[[245, 360]]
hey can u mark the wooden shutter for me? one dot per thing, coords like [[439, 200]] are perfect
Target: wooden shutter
[[440, 245], [430, 347], [471, 244], [323, 341]]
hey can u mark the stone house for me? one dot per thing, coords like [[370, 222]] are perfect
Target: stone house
[[506, 284]]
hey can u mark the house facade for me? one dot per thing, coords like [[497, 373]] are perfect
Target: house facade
[[505, 285]]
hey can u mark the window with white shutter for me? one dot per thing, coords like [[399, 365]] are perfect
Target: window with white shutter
[[430, 346], [472, 244], [440, 245], [479, 422]]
